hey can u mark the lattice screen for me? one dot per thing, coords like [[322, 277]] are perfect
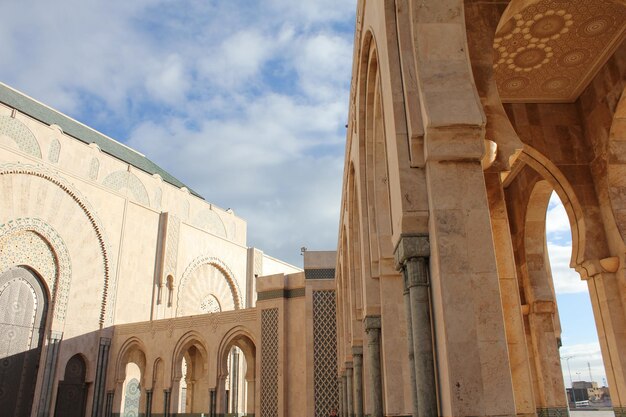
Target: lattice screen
[[269, 362], [324, 353]]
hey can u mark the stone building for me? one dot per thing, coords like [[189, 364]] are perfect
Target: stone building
[[464, 117], [123, 292]]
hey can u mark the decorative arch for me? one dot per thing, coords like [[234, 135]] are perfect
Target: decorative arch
[[20, 134], [209, 220], [616, 175], [133, 350], [189, 339], [373, 158], [241, 337], [85, 206], [566, 193], [54, 150], [119, 180], [222, 267], [58, 279]]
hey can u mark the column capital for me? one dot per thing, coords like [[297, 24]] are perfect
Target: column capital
[[411, 246], [357, 350], [371, 323], [348, 366]]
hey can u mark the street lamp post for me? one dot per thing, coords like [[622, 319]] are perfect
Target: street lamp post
[[571, 383]]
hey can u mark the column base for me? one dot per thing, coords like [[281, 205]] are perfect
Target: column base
[[553, 412]]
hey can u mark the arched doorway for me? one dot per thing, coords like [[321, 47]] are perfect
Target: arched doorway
[[236, 392], [190, 393], [72, 392], [23, 311]]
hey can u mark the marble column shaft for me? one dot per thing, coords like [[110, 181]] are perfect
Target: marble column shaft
[[52, 354], [148, 403], [357, 361], [350, 389], [166, 402], [344, 399], [375, 389], [409, 334], [416, 273]]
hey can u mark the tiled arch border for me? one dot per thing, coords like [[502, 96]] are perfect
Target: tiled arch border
[[41, 172]]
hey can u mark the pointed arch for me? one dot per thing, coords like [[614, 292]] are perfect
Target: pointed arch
[[222, 268]]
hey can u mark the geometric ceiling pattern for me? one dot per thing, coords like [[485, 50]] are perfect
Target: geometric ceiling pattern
[[549, 50]]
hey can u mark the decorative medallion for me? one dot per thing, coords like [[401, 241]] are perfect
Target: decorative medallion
[[549, 50]]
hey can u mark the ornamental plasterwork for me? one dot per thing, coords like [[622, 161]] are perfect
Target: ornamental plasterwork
[[223, 270], [106, 313], [120, 180], [551, 49], [21, 135], [209, 220], [34, 243]]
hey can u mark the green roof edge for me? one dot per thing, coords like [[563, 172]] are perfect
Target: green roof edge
[[85, 134]]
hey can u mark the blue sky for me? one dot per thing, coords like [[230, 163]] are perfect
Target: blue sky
[[579, 336], [244, 101]]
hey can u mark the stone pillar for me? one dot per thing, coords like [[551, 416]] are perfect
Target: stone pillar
[[375, 389], [166, 402], [607, 304], [212, 402], [52, 354], [357, 361], [108, 409], [344, 387], [234, 391], [412, 258], [472, 352], [148, 403], [409, 339], [340, 405], [349, 389], [101, 369], [509, 291]]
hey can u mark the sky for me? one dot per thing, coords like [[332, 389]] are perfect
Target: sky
[[244, 101], [579, 336]]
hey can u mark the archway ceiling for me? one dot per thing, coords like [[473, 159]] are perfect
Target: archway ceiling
[[549, 50]]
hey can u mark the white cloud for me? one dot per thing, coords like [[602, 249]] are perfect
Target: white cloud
[[556, 219], [566, 279], [244, 101], [583, 357]]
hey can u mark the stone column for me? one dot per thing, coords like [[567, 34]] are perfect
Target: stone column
[[409, 339], [344, 387], [101, 369], [234, 391], [375, 389], [349, 389], [108, 409], [510, 293], [166, 402], [52, 354], [340, 392], [148, 403], [357, 361], [211, 402], [412, 257]]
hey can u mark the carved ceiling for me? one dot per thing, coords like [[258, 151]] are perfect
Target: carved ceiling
[[550, 50]]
